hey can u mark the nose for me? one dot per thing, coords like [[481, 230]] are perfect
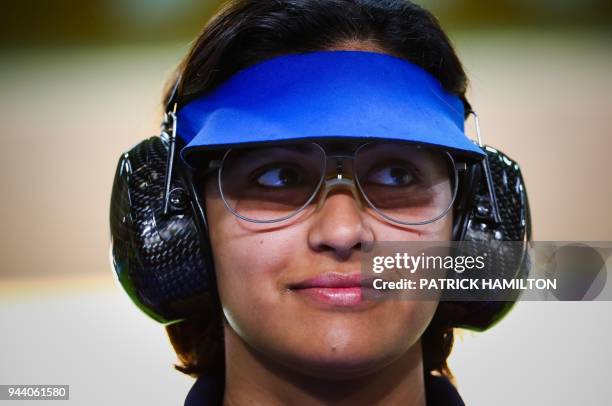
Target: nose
[[338, 225]]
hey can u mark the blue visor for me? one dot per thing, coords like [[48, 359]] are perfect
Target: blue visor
[[326, 95]]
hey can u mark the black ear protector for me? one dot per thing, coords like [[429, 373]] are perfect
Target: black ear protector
[[160, 246], [492, 207]]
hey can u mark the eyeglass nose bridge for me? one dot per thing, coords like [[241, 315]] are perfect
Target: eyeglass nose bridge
[[338, 183]]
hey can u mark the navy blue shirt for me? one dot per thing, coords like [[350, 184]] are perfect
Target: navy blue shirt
[[208, 390]]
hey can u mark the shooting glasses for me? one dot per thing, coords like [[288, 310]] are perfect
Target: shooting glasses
[[404, 183]]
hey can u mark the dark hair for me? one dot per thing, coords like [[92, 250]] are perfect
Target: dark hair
[[245, 32]]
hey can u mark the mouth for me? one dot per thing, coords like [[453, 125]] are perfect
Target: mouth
[[335, 289]]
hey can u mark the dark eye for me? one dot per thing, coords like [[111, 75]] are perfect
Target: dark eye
[[391, 176], [279, 177]]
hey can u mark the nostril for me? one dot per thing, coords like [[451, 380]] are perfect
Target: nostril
[[343, 253], [342, 242]]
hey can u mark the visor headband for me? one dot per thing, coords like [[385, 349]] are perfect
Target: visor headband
[[326, 94]]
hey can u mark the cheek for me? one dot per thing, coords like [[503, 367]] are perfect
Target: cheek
[[248, 264], [405, 321], [440, 230]]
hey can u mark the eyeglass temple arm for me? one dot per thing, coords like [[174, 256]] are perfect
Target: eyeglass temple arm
[[168, 131], [487, 171]]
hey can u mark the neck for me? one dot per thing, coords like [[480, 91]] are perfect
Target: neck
[[251, 378]]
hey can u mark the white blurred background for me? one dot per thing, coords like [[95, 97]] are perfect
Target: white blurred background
[[82, 83]]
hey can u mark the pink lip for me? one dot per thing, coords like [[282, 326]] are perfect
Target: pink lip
[[333, 289]]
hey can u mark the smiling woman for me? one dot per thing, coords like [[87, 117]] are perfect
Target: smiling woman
[[300, 131]]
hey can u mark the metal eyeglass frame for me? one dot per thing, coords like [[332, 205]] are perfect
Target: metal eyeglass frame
[[168, 132], [339, 181]]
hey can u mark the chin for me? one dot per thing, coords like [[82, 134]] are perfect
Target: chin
[[349, 366], [352, 359]]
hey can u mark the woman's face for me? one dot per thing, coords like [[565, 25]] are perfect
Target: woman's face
[[263, 271]]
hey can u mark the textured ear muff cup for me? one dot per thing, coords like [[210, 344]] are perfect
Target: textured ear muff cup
[[475, 222], [157, 257]]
